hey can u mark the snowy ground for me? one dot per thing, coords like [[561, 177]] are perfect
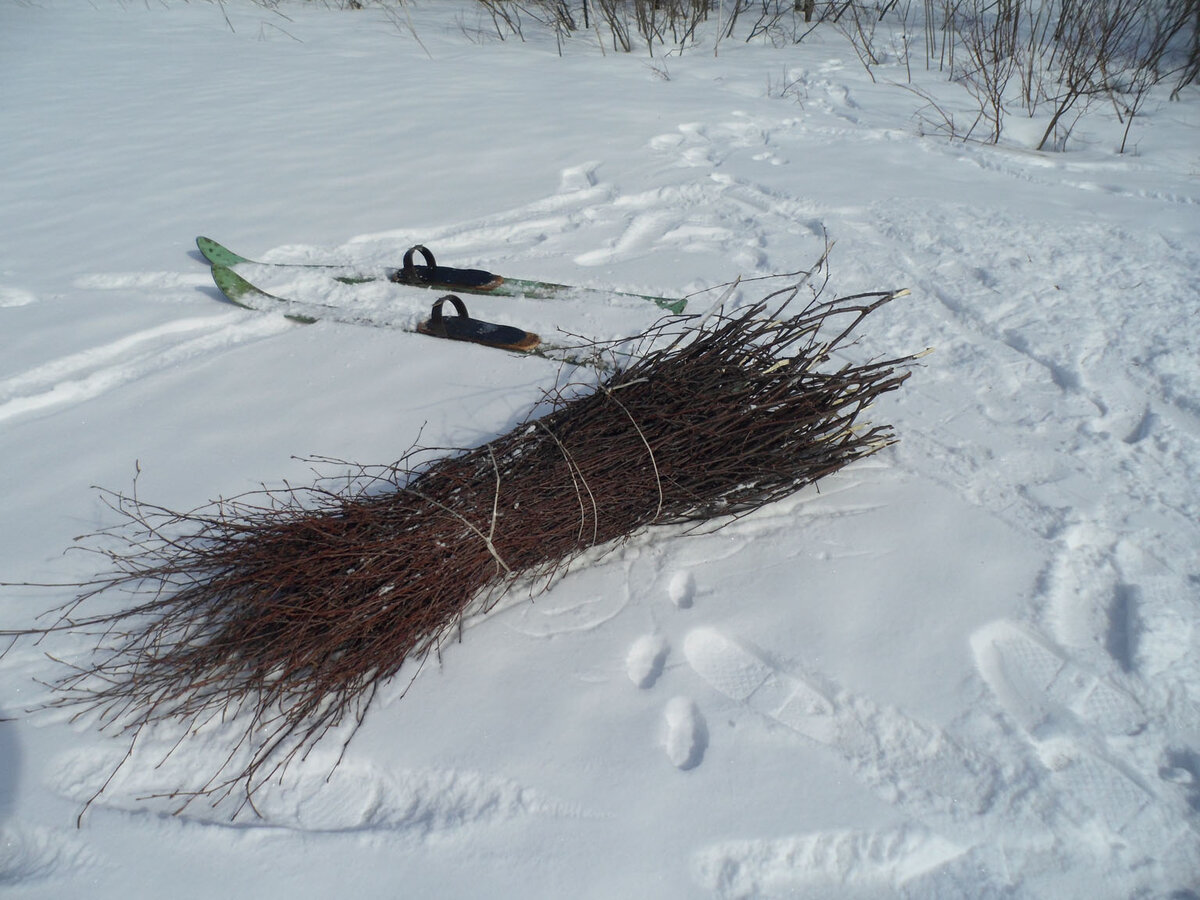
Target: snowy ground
[[967, 667]]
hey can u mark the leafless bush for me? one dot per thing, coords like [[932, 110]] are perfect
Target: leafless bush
[[1189, 69], [508, 18], [781, 22], [1162, 44], [1114, 49], [285, 610], [1052, 58], [858, 22], [660, 24], [1062, 55], [939, 19], [990, 47], [1086, 40]]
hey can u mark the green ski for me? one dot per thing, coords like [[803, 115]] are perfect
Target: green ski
[[429, 274], [459, 327]]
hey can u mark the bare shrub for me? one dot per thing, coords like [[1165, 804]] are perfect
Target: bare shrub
[[1189, 68], [858, 22], [1086, 38], [990, 46], [660, 24], [1061, 56], [1162, 42], [1041, 57]]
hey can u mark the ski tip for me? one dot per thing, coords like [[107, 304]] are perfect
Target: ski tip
[[233, 285], [240, 292], [217, 254]]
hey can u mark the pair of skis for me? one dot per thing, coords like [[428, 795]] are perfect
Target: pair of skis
[[427, 274]]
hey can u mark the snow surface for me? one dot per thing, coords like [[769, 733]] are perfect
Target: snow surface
[[968, 667]]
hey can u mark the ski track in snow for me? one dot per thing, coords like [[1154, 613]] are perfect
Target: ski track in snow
[[157, 281], [82, 376], [318, 793], [14, 296]]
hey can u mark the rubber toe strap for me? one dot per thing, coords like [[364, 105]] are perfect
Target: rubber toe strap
[[409, 270], [436, 325]]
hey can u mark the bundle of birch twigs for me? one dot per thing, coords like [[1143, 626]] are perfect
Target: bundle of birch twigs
[[288, 608]]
